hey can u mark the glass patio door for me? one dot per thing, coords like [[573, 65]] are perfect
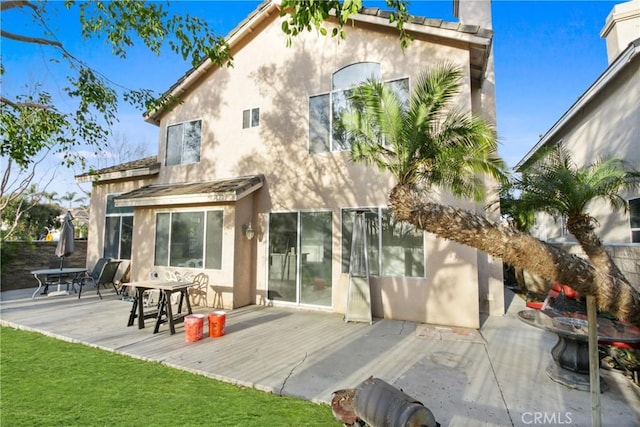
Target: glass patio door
[[300, 255], [283, 266]]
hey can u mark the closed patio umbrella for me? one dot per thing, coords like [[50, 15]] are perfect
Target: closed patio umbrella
[[66, 245]]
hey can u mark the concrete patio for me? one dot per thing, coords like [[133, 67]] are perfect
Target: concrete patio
[[491, 377]]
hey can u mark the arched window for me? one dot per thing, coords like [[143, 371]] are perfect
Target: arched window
[[354, 75], [325, 110]]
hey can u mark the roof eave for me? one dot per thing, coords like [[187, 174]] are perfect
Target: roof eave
[[112, 176], [471, 35], [245, 27], [610, 73], [181, 199]]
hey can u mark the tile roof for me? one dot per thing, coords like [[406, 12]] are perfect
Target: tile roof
[[431, 22], [479, 53], [221, 190], [148, 164]]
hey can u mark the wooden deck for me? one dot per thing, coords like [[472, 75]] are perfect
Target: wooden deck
[[466, 377], [260, 346]]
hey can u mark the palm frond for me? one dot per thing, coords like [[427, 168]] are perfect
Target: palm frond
[[557, 186], [424, 141]]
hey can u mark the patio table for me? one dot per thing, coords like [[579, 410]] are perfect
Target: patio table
[[570, 364], [164, 312], [75, 272]]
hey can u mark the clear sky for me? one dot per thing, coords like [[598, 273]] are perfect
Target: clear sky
[[547, 53]]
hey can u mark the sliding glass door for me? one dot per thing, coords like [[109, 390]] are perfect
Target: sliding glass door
[[300, 255]]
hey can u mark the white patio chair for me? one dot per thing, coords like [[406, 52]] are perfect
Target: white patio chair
[[152, 296]]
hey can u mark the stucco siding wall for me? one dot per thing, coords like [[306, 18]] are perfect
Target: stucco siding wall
[[99, 195], [279, 81], [608, 126], [220, 290]]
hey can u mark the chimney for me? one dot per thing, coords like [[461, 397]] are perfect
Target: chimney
[[621, 27], [473, 12]]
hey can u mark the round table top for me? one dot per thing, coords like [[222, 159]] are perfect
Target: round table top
[[575, 325]]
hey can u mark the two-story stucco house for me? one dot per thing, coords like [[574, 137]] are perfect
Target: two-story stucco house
[[254, 186], [604, 121]]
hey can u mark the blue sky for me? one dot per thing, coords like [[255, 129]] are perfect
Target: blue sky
[[547, 53]]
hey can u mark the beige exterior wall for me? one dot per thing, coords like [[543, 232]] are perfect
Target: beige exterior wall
[[98, 205], [490, 271], [279, 80], [608, 126]]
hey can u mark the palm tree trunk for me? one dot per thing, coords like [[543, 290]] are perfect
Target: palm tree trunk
[[581, 226], [613, 294]]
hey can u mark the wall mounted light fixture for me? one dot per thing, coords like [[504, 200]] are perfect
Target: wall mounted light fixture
[[247, 230]]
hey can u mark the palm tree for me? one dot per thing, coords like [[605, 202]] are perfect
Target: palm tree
[[70, 197], [518, 215], [555, 185], [430, 143], [425, 142], [50, 196]]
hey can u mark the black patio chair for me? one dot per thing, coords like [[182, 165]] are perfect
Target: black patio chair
[[105, 276]]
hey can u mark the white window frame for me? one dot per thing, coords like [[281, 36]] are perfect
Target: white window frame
[[298, 254], [252, 115], [380, 247], [333, 147], [119, 215], [182, 152], [202, 265]]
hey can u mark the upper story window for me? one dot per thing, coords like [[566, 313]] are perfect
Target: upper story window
[[183, 143], [325, 110], [634, 219], [251, 118]]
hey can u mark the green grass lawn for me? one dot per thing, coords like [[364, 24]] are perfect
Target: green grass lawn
[[47, 382]]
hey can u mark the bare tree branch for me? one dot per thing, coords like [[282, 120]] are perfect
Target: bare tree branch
[[24, 104], [6, 5], [18, 187], [27, 39]]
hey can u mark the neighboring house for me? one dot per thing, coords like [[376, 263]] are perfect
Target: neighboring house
[[604, 121], [254, 186]]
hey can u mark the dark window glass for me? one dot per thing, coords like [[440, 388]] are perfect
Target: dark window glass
[[187, 234], [111, 237], [126, 237], [634, 213], [634, 219], [118, 229], [184, 240], [162, 239], [326, 130], [213, 251], [255, 117], [250, 118], [319, 123], [397, 250], [183, 143]]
